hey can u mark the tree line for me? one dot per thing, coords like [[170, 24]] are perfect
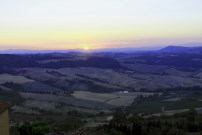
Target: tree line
[[178, 124]]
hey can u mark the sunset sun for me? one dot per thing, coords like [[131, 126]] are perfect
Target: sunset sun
[[86, 48]]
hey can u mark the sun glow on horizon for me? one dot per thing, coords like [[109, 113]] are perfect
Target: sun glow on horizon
[[86, 48]]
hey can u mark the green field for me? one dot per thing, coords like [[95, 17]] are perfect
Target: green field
[[154, 104], [115, 98]]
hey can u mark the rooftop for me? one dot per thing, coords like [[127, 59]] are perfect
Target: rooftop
[[4, 105]]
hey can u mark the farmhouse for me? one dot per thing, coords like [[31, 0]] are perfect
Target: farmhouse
[[123, 91], [4, 118]]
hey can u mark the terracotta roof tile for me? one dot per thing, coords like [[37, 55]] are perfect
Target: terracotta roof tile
[[4, 105]]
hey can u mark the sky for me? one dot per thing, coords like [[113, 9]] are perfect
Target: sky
[[94, 24]]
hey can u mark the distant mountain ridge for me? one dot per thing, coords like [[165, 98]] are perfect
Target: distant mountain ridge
[[180, 49], [114, 50], [184, 48], [28, 51]]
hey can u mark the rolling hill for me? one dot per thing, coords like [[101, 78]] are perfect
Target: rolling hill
[[105, 72]]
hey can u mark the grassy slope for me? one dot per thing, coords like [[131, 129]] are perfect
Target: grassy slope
[[154, 104], [28, 84]]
